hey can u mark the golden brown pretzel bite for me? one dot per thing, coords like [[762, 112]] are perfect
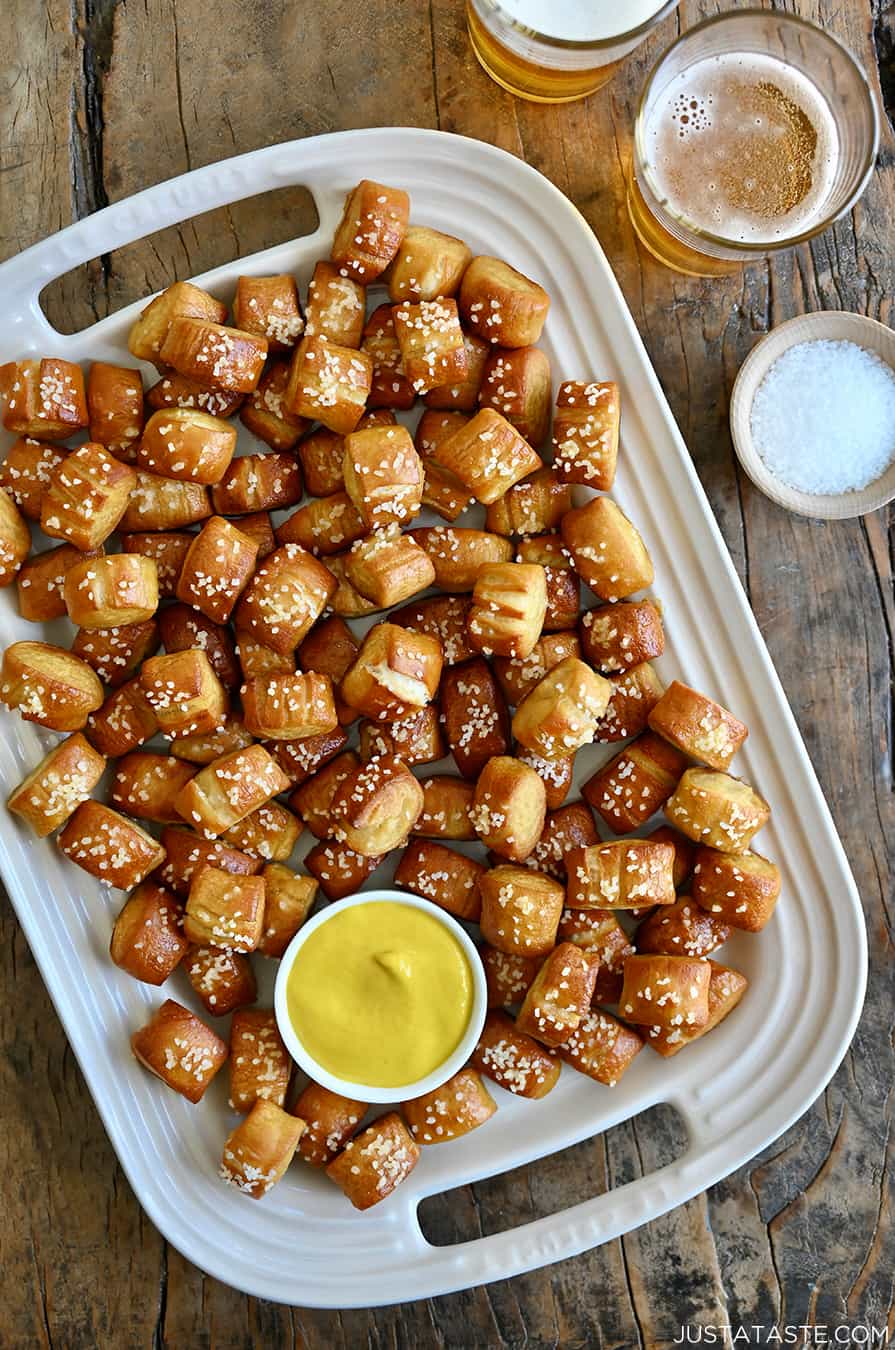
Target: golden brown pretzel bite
[[585, 433], [635, 783], [63, 779], [323, 525], [158, 503], [258, 1151], [374, 1163], [427, 265], [112, 591], [145, 785], [383, 476], [475, 716], [178, 391], [681, 929], [502, 305], [269, 308], [555, 774], [519, 675], [458, 554], [15, 539], [224, 358], [224, 910], [534, 505], [376, 806], [566, 829], [447, 802], [331, 1118], [300, 759], [216, 569], [517, 384], [443, 492], [521, 910], [328, 383], [559, 996], [561, 712], [320, 454], [442, 617], [336, 306], [86, 497], [222, 980], [44, 398], [601, 1047], [698, 726], [25, 473], [416, 738], [41, 579], [258, 527], [183, 628], [605, 944], [289, 707], [388, 567], [607, 550], [508, 605], [260, 1067], [718, 810], [109, 846], [460, 1105], [183, 299], [313, 799], [741, 889], [187, 853], [124, 721], [623, 874], [265, 482], [230, 789], [513, 1060], [635, 692], [285, 598], [563, 583], [184, 692], [395, 672], [186, 444], [370, 232], [666, 991], [339, 870], [288, 898], [509, 807], [684, 851], [269, 833], [167, 549], [431, 342], [389, 386], [488, 455], [115, 407], [463, 396], [508, 977], [264, 411], [147, 940], [179, 1049], [726, 988], [442, 875], [49, 685]]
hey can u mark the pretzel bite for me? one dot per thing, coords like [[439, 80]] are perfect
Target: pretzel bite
[[25, 473], [681, 929], [331, 1121], [508, 604], [536, 504], [44, 399], [717, 810], [184, 692], [224, 910], [324, 525], [559, 996], [157, 503], [187, 853], [216, 569], [442, 875], [109, 846], [475, 717], [183, 299], [116, 654], [388, 567], [396, 672], [49, 685], [513, 1060], [607, 550], [389, 386], [256, 659], [178, 391], [329, 384], [40, 581], [63, 779], [457, 1107], [147, 940], [518, 675], [383, 475], [313, 799], [684, 851], [447, 802], [183, 443], [339, 870], [330, 649], [509, 807], [569, 828], [230, 789], [370, 232], [269, 833], [146, 784], [265, 482], [502, 305], [376, 806], [15, 539], [442, 617], [555, 774], [416, 739], [269, 308], [124, 721], [111, 592], [726, 987], [427, 265], [288, 898], [222, 980], [601, 1047], [285, 598], [605, 944], [666, 991], [183, 628], [635, 692], [698, 726], [258, 527], [431, 342], [167, 549], [204, 748], [179, 1049], [563, 584], [623, 874], [86, 497], [521, 910], [508, 977], [345, 601], [336, 306], [443, 492], [458, 554], [516, 383], [374, 1164], [585, 433], [488, 455], [224, 358], [561, 712], [463, 396], [320, 455], [260, 1067], [265, 415], [258, 1151], [740, 889], [635, 783]]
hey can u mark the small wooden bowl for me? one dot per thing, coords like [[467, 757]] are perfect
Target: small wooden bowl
[[832, 326]]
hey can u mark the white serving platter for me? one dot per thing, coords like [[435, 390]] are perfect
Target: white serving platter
[[739, 1088]]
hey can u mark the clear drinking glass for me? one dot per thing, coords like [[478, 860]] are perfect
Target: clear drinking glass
[[576, 47], [669, 219]]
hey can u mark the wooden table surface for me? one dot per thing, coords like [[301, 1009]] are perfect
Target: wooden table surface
[[102, 98]]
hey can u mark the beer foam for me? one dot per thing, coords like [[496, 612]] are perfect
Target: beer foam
[[744, 146], [581, 20]]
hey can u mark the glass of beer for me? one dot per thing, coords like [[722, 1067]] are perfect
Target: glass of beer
[[755, 131], [554, 51]]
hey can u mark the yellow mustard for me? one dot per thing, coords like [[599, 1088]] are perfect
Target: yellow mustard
[[380, 994]]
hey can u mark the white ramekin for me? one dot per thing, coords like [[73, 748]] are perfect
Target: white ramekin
[[363, 1091]]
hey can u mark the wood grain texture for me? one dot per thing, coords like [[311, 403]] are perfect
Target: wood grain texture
[[103, 97]]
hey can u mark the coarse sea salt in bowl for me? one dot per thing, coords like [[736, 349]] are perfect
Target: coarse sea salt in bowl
[[814, 428]]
